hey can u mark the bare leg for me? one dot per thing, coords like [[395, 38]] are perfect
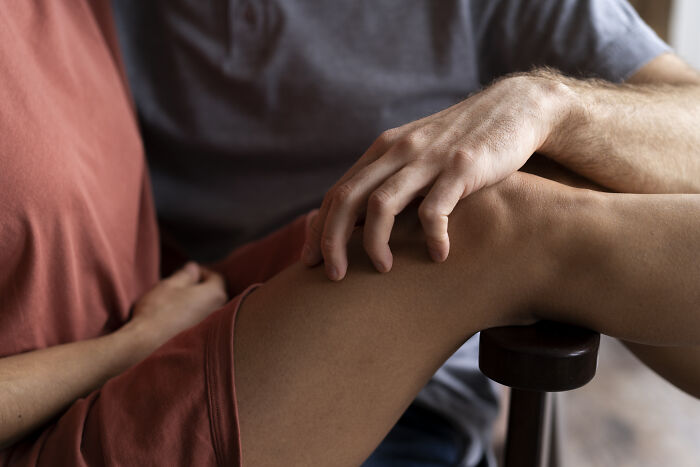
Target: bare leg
[[324, 369]]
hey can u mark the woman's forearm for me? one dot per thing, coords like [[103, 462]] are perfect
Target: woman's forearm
[[629, 265], [36, 386]]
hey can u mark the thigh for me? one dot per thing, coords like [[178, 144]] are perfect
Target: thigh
[[325, 369]]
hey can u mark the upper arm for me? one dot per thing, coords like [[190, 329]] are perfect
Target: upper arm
[[667, 68]]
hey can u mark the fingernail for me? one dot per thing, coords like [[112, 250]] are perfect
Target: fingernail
[[436, 255], [332, 273], [382, 265]]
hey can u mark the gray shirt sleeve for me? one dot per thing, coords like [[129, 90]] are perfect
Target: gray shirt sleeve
[[585, 38]]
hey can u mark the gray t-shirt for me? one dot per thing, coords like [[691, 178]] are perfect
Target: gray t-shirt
[[252, 109]]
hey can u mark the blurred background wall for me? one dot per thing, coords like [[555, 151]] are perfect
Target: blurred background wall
[[684, 30], [677, 22]]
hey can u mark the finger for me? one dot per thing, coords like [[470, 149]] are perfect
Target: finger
[[213, 286], [384, 204], [310, 217], [377, 149], [434, 211], [210, 276], [348, 200], [307, 256], [189, 274], [311, 252]]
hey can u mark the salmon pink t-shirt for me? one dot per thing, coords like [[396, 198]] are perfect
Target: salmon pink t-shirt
[[78, 246], [78, 240]]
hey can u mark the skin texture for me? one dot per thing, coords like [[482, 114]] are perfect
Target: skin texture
[[318, 362], [646, 129], [637, 137], [357, 352], [677, 364], [37, 385]]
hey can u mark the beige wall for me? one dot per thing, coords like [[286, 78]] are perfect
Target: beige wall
[[655, 13], [677, 22], [685, 30]]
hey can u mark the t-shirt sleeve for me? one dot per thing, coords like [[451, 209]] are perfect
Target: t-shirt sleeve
[[585, 38], [258, 261]]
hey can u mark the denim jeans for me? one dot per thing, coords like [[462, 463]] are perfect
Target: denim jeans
[[420, 439]]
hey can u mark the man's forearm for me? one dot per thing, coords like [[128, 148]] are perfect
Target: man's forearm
[[628, 137]]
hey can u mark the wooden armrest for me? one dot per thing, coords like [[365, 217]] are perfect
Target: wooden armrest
[[545, 356]]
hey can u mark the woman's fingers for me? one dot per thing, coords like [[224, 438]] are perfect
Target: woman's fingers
[[434, 211], [187, 275], [212, 288], [384, 204]]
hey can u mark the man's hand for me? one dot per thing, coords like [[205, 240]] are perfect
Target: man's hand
[[177, 303], [445, 157]]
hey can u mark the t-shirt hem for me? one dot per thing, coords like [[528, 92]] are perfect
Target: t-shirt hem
[[220, 385]]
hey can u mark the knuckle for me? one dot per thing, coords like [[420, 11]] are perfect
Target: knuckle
[[328, 244], [427, 212], [386, 137], [379, 200], [462, 160], [392, 133], [410, 141], [343, 193]]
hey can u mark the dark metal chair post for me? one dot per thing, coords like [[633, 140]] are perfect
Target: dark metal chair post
[[535, 361]]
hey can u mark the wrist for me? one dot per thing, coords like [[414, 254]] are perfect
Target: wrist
[[136, 339], [562, 109]]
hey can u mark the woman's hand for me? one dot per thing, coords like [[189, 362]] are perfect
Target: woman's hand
[[177, 303], [30, 395], [444, 157]]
